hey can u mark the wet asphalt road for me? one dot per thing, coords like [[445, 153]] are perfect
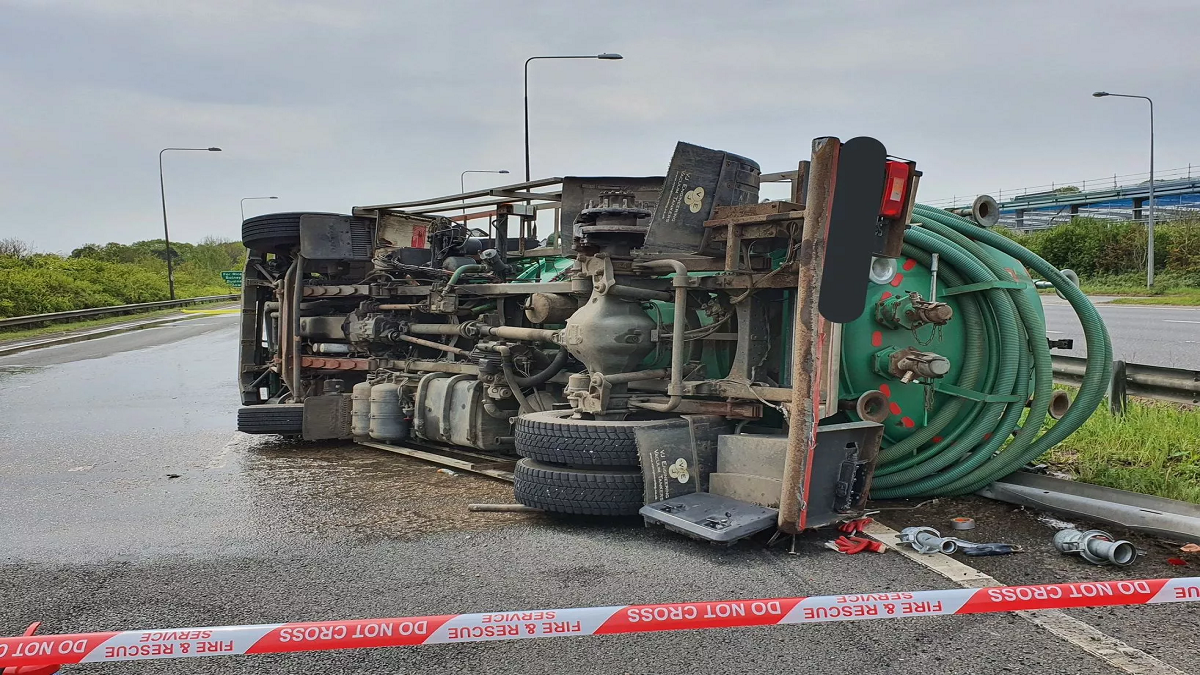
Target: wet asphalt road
[[1157, 336], [131, 503]]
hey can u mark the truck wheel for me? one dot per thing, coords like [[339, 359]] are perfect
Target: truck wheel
[[272, 232], [587, 492], [286, 419], [554, 436]]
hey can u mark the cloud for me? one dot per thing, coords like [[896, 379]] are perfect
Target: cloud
[[332, 104]]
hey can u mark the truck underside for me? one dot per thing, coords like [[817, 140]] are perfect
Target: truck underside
[[659, 349]]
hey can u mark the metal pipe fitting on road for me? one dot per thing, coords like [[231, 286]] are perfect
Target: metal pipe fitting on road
[[1096, 546], [927, 540]]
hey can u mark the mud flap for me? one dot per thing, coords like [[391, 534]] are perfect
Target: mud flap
[[677, 458], [710, 517]]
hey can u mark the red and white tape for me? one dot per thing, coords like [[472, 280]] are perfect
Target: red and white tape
[[36, 650]]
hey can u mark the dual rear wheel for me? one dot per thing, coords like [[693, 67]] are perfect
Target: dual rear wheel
[[578, 466]]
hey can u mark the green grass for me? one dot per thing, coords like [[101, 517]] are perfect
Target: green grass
[[1169, 289], [1154, 449], [1191, 299], [23, 333]]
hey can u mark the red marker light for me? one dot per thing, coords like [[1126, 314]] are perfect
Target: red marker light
[[895, 189]]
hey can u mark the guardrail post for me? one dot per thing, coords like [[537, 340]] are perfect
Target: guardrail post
[[1117, 388]]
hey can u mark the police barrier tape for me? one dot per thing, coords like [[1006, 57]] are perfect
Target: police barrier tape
[[37, 650]]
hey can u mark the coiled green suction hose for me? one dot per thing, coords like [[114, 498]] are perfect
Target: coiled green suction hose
[[988, 441]]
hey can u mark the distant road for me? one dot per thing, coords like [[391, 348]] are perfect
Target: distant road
[[1158, 336]]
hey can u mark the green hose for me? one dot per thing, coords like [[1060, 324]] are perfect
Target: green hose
[[985, 443], [466, 269]]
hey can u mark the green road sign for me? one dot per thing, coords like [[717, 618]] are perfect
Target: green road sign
[[233, 278]]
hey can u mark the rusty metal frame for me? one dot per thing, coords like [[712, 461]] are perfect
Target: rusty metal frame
[[806, 352], [487, 192]]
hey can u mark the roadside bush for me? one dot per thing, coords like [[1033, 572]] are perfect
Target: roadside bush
[[112, 274], [1102, 248]]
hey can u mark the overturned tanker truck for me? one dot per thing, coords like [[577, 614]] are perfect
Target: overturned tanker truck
[[669, 345]]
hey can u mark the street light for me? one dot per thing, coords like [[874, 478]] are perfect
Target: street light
[[606, 57], [242, 204], [1150, 216], [166, 233], [462, 184]]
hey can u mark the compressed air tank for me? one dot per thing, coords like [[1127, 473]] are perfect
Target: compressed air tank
[[387, 419], [360, 410]]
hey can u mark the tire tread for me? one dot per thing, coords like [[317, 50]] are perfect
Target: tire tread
[[578, 491], [575, 442]]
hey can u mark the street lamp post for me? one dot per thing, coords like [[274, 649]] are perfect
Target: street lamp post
[[1150, 214], [462, 177], [242, 204], [606, 56], [166, 233], [462, 183]]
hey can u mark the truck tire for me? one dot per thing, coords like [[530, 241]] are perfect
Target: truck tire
[[286, 419], [553, 436], [272, 232], [585, 492], [275, 232]]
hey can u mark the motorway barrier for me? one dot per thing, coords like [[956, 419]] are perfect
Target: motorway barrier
[[105, 311], [52, 650], [1177, 385]]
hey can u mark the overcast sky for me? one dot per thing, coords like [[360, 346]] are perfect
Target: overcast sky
[[329, 104]]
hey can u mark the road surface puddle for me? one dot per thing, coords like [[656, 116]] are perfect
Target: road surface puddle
[[9, 371], [342, 488]]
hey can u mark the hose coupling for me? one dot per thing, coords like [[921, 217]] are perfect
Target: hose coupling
[[927, 540], [911, 311], [1096, 546], [910, 364]]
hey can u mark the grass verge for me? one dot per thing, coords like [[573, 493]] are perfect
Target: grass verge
[[1169, 289], [1154, 449], [1185, 299], [69, 327]]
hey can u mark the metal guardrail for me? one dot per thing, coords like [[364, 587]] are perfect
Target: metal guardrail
[[1177, 385], [105, 311]]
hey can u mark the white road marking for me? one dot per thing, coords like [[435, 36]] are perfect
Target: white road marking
[[1178, 321], [1057, 332], [1079, 633]]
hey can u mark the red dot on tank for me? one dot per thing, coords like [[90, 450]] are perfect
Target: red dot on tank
[[895, 408], [886, 390], [907, 422], [899, 279], [877, 339], [987, 436], [886, 295], [909, 264], [937, 439]]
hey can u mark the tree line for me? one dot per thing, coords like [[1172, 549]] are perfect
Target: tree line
[[96, 275]]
